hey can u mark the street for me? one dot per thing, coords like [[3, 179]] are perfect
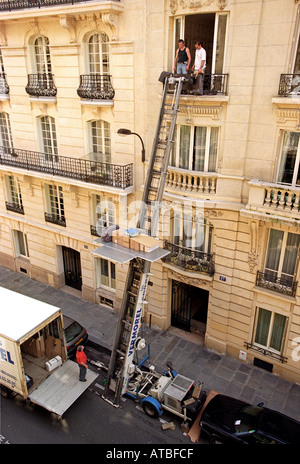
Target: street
[[90, 420]]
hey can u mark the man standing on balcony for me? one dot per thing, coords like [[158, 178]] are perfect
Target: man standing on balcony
[[182, 59], [199, 67]]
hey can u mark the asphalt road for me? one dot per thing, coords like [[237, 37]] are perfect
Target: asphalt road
[[90, 420]]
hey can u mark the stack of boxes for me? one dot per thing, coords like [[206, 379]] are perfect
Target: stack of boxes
[[134, 239]]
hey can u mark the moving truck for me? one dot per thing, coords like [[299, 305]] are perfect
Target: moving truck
[[33, 355]]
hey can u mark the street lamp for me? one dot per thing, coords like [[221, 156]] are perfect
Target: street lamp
[[128, 132]]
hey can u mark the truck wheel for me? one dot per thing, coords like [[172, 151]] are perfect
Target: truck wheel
[[5, 392], [150, 409]]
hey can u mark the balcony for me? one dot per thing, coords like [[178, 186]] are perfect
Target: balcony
[[193, 182], [95, 172], [282, 201], [213, 85], [95, 87], [15, 207], [189, 259], [289, 85], [285, 285], [41, 85], [10, 5], [4, 89], [55, 219]]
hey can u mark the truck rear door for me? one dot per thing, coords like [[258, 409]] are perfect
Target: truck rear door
[[59, 391]]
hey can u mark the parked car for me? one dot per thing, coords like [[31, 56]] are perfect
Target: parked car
[[75, 334], [228, 420]]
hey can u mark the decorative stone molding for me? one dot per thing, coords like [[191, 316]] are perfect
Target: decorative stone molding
[[285, 114], [195, 5], [255, 242], [73, 193], [213, 112], [69, 23], [111, 20], [68, 242], [182, 277]]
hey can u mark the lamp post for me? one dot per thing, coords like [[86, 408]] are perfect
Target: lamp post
[[128, 132]]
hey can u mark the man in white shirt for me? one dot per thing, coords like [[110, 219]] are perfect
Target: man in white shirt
[[199, 66]]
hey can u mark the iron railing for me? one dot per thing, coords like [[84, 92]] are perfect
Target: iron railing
[[55, 219], [215, 84], [4, 89], [114, 175], [190, 259], [15, 207], [41, 85], [95, 86], [266, 352], [9, 5], [289, 84], [284, 285]]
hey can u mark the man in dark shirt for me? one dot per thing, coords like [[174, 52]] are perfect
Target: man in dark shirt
[[82, 361], [182, 59]]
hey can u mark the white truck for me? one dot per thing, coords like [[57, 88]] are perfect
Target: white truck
[[33, 356]]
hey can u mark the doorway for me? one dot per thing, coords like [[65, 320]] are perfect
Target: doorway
[[72, 268], [189, 307]]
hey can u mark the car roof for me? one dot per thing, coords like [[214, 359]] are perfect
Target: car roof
[[67, 321], [222, 410], [277, 425]]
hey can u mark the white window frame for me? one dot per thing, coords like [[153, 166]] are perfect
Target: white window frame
[[48, 138], [42, 57], [6, 139], [181, 21], [105, 281], [17, 237], [297, 161], [270, 331], [97, 54], [282, 256], [184, 231], [100, 138], [55, 201], [104, 212], [13, 190], [175, 158]]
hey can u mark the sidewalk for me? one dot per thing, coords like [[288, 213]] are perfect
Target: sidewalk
[[217, 372]]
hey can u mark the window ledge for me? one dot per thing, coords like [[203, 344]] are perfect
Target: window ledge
[[274, 294], [96, 102]]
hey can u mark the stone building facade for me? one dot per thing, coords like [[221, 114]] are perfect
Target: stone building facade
[[72, 74]]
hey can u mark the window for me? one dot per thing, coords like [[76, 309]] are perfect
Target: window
[[48, 138], [213, 28], [106, 273], [289, 172], [5, 131], [13, 190], [105, 212], [100, 137], [282, 256], [55, 203], [98, 54], [21, 245], [191, 231], [270, 330], [195, 148], [42, 55]]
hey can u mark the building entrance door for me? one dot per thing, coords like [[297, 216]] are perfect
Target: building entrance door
[[189, 306], [72, 267]]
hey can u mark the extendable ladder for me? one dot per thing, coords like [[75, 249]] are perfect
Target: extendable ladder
[[130, 314]]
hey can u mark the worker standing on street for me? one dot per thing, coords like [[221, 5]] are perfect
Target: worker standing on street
[[82, 361]]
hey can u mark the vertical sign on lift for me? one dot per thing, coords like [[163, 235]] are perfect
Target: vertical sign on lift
[[136, 326]]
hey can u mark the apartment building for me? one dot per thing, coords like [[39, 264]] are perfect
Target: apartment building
[[72, 74]]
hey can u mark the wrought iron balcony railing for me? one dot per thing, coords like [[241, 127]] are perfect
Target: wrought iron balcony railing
[[215, 84], [114, 175], [289, 84], [266, 352], [41, 85], [55, 219], [4, 89], [285, 285], [190, 259], [9, 5], [95, 86], [15, 207]]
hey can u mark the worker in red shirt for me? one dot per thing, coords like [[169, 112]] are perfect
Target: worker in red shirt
[[82, 361]]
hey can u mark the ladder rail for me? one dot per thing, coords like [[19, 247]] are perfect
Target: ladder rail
[[140, 267]]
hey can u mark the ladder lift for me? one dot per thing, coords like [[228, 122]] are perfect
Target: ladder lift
[[129, 321]]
